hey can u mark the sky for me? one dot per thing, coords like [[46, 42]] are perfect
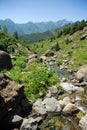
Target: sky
[[23, 11]]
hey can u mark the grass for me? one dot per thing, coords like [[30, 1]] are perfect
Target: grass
[[34, 76]]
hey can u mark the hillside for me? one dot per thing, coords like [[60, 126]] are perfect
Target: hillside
[[30, 27], [44, 87]]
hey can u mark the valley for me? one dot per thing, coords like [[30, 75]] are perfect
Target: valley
[[45, 87]]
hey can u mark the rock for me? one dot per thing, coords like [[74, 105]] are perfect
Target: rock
[[39, 107], [61, 103], [48, 94], [83, 122], [5, 60], [30, 124], [65, 61], [53, 90], [81, 75], [15, 120], [49, 53], [47, 105], [83, 37], [64, 79], [31, 58], [51, 105], [74, 46], [69, 108], [64, 102], [11, 95], [68, 87], [43, 58]]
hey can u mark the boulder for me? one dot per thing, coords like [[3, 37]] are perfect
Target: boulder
[[5, 60], [39, 107], [70, 108], [51, 105], [83, 122], [68, 87], [47, 105], [11, 95], [81, 75]]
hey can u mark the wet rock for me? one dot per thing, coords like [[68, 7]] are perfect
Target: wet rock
[[69, 108], [5, 60], [83, 122], [16, 120], [68, 87], [52, 105], [81, 75]]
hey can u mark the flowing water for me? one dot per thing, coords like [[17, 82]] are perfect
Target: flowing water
[[55, 121]]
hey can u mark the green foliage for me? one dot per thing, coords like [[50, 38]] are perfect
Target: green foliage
[[15, 35], [59, 87], [70, 29], [57, 47], [35, 77], [59, 62], [37, 37]]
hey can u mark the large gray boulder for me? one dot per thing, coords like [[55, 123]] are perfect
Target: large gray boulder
[[83, 122], [47, 105], [68, 87], [52, 105], [39, 107], [5, 60], [81, 75]]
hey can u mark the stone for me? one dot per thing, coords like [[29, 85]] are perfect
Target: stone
[[66, 100], [39, 107], [47, 105], [53, 90], [70, 108], [5, 60], [15, 120], [83, 37], [49, 53], [30, 123], [31, 58], [68, 87], [51, 105], [11, 95], [48, 94], [83, 122], [81, 75]]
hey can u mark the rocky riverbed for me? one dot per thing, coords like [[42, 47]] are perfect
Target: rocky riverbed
[[61, 108]]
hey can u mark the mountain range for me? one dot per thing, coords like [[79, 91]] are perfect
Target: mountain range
[[30, 27]]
